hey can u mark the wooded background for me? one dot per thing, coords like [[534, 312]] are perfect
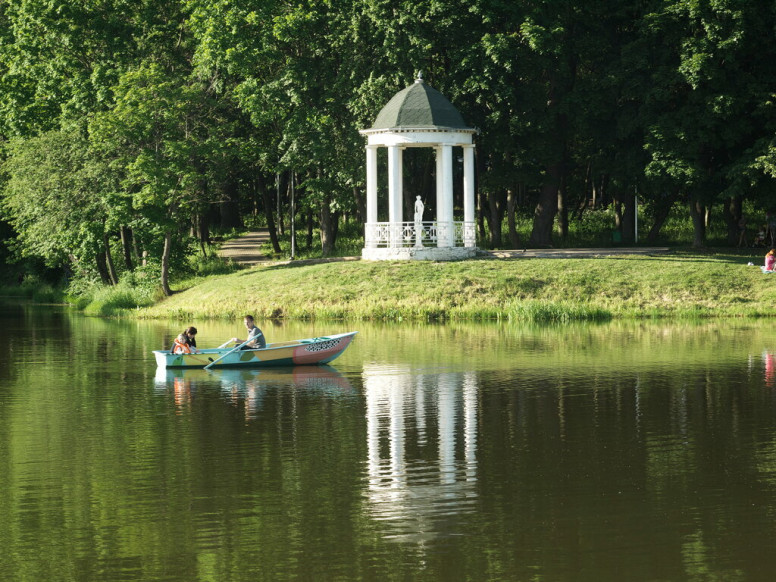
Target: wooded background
[[137, 124]]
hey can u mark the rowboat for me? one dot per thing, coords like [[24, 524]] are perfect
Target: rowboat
[[317, 350]]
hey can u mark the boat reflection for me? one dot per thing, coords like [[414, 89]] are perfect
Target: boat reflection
[[248, 386], [413, 492], [770, 368]]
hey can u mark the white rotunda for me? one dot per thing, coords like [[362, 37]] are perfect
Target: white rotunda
[[419, 116]]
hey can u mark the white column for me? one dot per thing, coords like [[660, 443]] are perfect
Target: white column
[[440, 196], [447, 193], [420, 410], [468, 196], [371, 195], [470, 424], [395, 193], [373, 414], [396, 434], [446, 414]]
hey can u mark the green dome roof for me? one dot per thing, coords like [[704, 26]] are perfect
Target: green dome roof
[[419, 106]]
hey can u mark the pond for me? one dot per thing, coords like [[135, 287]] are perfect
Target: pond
[[638, 451]]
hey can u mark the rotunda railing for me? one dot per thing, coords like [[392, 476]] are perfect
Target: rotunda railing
[[419, 234]]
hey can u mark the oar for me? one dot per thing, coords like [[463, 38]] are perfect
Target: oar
[[223, 345], [227, 353]]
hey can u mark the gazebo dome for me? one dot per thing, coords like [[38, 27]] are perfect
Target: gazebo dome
[[419, 106]]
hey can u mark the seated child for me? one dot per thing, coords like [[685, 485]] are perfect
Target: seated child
[[770, 261], [186, 342]]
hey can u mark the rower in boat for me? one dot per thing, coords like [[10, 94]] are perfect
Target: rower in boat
[[255, 339]]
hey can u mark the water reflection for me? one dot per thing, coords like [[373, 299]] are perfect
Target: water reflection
[[640, 450], [248, 386], [770, 368], [412, 485]]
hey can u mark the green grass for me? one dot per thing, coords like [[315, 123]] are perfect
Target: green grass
[[679, 285], [141, 287], [118, 300]]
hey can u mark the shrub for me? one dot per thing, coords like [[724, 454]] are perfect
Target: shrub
[[34, 289]]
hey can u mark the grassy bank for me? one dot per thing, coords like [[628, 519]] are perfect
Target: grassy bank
[[674, 285]]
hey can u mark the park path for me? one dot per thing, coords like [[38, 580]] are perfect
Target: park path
[[583, 253], [246, 250]]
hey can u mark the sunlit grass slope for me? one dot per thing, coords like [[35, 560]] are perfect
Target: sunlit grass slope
[[674, 285]]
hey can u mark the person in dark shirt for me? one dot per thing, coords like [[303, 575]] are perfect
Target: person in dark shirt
[[186, 342]]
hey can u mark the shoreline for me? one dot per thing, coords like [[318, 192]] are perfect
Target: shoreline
[[620, 285]]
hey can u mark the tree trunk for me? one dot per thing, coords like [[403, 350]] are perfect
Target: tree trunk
[[203, 233], [126, 247], [588, 191], [284, 187], [663, 208], [114, 279], [481, 197], [629, 218], [732, 213], [102, 268], [327, 234], [310, 228], [546, 207], [514, 239], [360, 204], [335, 218], [269, 213], [494, 220], [230, 207], [481, 232], [601, 192], [585, 191], [563, 214], [699, 228], [166, 263], [292, 181], [561, 83], [581, 208], [617, 212], [136, 250]]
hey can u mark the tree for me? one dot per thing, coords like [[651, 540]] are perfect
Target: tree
[[712, 72], [59, 60], [53, 197], [154, 137]]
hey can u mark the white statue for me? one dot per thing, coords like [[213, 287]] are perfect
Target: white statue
[[418, 220], [419, 209]]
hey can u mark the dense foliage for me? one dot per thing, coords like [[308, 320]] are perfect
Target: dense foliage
[[131, 128]]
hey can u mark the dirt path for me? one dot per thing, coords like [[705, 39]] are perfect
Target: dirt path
[[575, 253], [246, 249]]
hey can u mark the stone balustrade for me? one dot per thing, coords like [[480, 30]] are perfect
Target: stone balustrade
[[419, 234]]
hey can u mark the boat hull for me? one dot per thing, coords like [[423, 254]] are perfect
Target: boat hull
[[319, 350]]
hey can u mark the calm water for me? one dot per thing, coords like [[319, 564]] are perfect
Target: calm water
[[458, 452]]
